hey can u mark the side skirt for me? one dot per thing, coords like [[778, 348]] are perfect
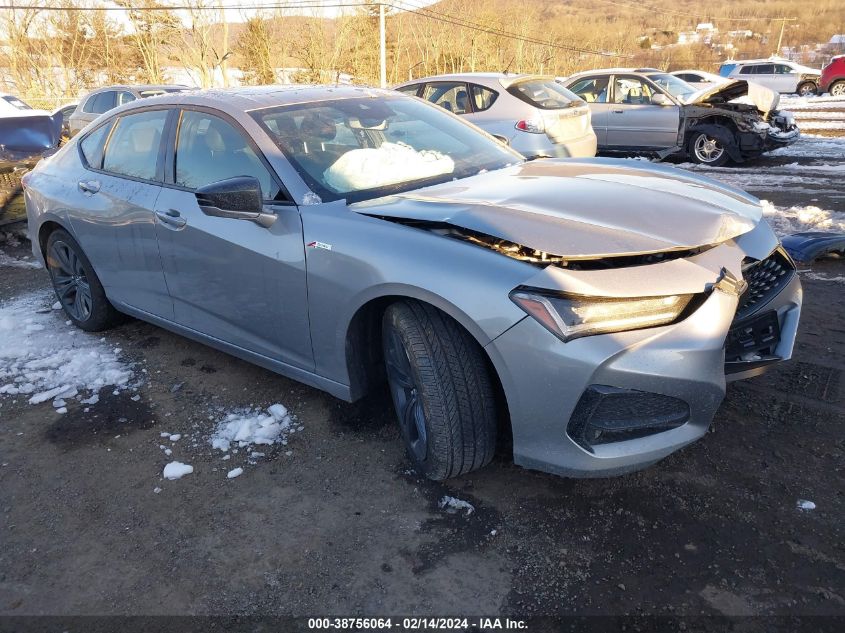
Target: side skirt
[[336, 389]]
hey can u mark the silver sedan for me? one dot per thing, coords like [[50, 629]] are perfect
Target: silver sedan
[[534, 114], [592, 309]]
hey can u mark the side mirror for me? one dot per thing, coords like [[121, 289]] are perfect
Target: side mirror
[[236, 198], [660, 99]]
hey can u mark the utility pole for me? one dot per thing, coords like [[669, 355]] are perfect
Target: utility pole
[[783, 22], [382, 46], [224, 67]]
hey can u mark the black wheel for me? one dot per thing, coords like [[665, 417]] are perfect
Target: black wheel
[[706, 150], [807, 88], [441, 389], [76, 284], [837, 89]]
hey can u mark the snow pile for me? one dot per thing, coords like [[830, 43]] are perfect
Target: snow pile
[[45, 358], [388, 164], [798, 219], [235, 472], [11, 262], [253, 426], [177, 470], [803, 504], [453, 505]]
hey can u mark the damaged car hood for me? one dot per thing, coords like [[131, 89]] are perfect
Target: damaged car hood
[[581, 209], [763, 98]]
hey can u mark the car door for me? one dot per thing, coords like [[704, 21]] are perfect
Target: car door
[[232, 279], [763, 74], [634, 121], [113, 201], [595, 91], [786, 78]]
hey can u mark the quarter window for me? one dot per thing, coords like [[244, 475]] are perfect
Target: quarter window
[[482, 98], [209, 149], [133, 148], [92, 145], [747, 70], [410, 90]]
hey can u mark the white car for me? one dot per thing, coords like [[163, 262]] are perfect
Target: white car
[[780, 75], [699, 79]]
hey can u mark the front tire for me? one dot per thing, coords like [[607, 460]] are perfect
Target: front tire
[[706, 150], [837, 89], [441, 389], [807, 88], [77, 286]]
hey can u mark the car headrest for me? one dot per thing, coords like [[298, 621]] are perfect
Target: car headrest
[[214, 140], [317, 127]]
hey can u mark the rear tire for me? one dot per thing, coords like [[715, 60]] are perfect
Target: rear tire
[[77, 286], [807, 88], [837, 88], [441, 389], [706, 150]]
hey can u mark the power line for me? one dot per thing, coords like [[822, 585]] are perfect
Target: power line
[[462, 22]]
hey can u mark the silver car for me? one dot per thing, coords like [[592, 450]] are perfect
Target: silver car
[[345, 236], [102, 100], [644, 110], [532, 113]]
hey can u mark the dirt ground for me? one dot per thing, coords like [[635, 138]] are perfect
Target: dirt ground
[[341, 526]]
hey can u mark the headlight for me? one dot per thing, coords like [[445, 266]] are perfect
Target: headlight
[[572, 316]]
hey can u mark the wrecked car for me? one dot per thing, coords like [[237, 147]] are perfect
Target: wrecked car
[[591, 310], [649, 111], [25, 133]]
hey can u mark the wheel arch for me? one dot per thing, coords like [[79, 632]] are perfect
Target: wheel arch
[[363, 348], [48, 226], [720, 127]]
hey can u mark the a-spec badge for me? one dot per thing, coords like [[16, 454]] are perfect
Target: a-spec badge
[[323, 245], [729, 284]]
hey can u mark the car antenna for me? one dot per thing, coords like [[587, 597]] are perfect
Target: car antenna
[[508, 67]]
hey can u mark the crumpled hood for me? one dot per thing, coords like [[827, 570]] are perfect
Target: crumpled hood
[[763, 98], [583, 209]]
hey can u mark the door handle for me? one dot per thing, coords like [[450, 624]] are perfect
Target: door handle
[[618, 111], [171, 218], [89, 186]]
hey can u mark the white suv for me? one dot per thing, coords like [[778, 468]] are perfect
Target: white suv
[[780, 75]]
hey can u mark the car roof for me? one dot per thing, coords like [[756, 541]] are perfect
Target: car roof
[[486, 78], [611, 71], [248, 98], [139, 87]]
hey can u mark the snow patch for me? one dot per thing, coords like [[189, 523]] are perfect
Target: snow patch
[[453, 505], [177, 470], [798, 219], [42, 357], [235, 472], [11, 262], [804, 504], [246, 427], [839, 279]]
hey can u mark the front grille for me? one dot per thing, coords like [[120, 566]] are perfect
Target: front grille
[[607, 414], [765, 278], [753, 339]]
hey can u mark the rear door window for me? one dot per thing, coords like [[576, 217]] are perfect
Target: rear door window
[[100, 102], [482, 97], [410, 90], [546, 94], [748, 70], [450, 95], [124, 97], [133, 148], [591, 89]]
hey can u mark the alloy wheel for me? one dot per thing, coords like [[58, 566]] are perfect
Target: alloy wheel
[[70, 281], [838, 89], [806, 89], [707, 149], [406, 396]]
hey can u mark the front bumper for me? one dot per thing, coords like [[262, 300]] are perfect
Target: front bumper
[[544, 380]]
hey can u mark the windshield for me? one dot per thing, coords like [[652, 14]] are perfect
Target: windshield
[[547, 94], [362, 148], [676, 87]]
